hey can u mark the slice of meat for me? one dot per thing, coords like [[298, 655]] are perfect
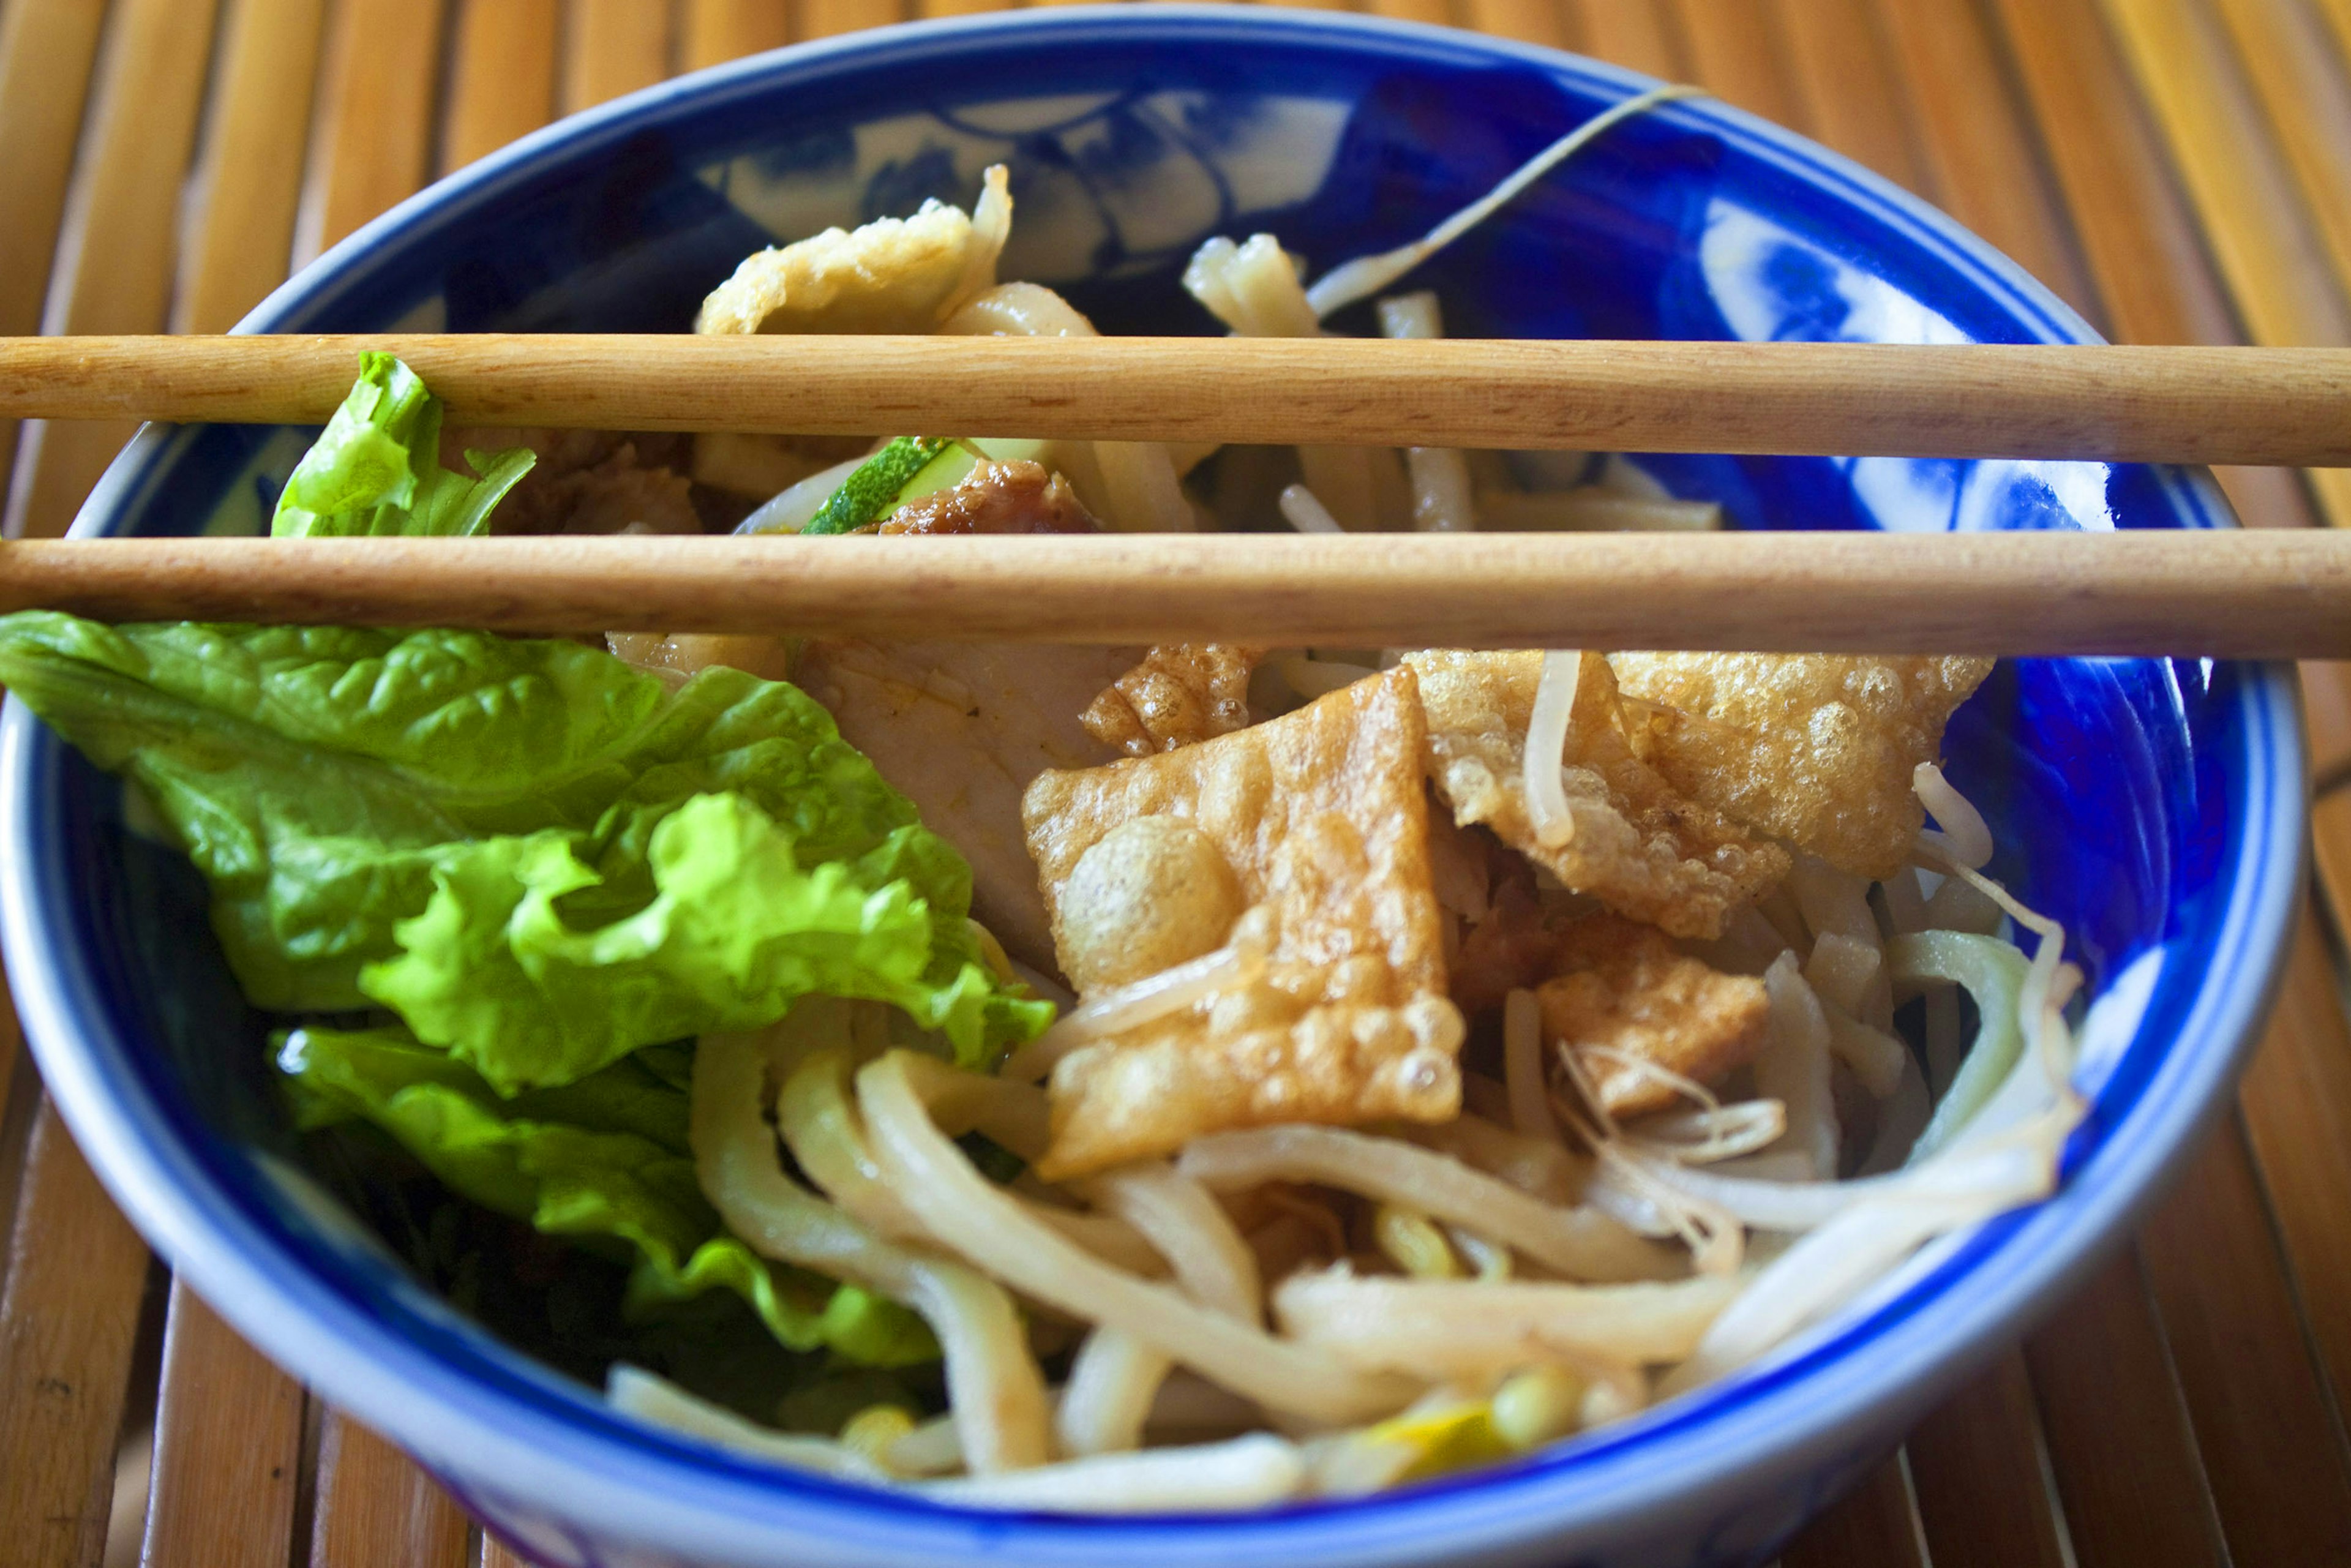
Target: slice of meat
[[1180, 695], [1816, 748], [1320, 817], [1627, 996], [961, 728], [588, 482], [1014, 497], [1639, 846]]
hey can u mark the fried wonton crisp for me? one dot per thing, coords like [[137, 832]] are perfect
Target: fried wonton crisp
[[1321, 820], [1816, 748], [1180, 695], [893, 275], [1639, 845], [1625, 998]]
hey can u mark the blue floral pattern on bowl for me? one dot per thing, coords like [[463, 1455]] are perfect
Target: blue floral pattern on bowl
[[2155, 806]]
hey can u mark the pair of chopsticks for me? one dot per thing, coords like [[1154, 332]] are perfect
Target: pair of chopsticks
[[2286, 595]]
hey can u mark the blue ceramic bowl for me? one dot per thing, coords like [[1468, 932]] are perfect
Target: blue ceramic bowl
[[2156, 808]]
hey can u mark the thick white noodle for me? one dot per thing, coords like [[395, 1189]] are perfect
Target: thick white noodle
[[1243, 1472], [964, 1211], [1441, 498], [1581, 1242], [1139, 490], [1539, 1167], [1471, 1329], [1191, 1230], [1253, 288], [1302, 511], [1366, 276], [1876, 1058], [1793, 1068], [1522, 1066], [1831, 1265], [632, 1391], [1965, 838], [1546, 753], [1841, 969], [1113, 1382], [993, 1384]]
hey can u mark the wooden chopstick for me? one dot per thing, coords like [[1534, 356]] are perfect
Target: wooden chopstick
[[2283, 594], [2270, 406]]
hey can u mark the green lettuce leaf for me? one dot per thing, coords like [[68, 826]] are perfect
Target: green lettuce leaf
[[736, 930], [601, 1160], [376, 468], [335, 784]]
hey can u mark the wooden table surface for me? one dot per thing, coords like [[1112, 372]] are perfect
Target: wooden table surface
[[2177, 170]]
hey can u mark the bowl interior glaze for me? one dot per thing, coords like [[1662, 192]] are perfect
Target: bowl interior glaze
[[2152, 806]]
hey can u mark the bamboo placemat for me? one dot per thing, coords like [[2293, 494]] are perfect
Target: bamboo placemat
[[2178, 169]]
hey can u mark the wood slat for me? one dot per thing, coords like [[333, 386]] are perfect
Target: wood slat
[[2272, 1446], [1639, 34], [68, 1317], [371, 144], [1436, 11], [1876, 1525], [1737, 54], [2152, 273], [115, 256], [824, 18], [2338, 14], [228, 1449], [613, 46], [2306, 96], [2137, 238], [1542, 22], [1843, 71], [2252, 219], [2120, 1445], [46, 56], [1982, 160], [2326, 709], [1977, 1470], [2137, 235], [501, 76], [716, 31], [377, 1510], [249, 171], [2297, 1107], [2330, 838]]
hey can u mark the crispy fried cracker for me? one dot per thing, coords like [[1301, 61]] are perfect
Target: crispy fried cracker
[[1627, 996], [1639, 846], [1180, 695], [1322, 819], [893, 275], [1816, 748]]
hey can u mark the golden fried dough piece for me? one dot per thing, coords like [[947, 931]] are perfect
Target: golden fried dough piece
[[1014, 497], [1816, 748], [1321, 819], [1640, 846], [1180, 695], [1626, 993], [893, 275]]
